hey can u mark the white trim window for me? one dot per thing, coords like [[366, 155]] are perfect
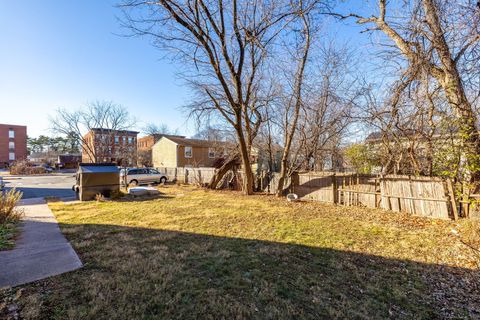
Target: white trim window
[[11, 145], [11, 134], [188, 152], [117, 139], [211, 153], [11, 156]]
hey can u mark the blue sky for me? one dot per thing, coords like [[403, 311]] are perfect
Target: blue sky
[[64, 53]]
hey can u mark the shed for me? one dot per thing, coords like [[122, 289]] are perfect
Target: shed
[[68, 161], [95, 178]]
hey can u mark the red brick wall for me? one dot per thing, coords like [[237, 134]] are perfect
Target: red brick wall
[[20, 141], [110, 156], [146, 143]]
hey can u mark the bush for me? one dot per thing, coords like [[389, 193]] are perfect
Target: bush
[[99, 197], [9, 212], [23, 167]]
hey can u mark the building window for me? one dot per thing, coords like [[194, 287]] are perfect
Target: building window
[[11, 134], [11, 156], [117, 139], [130, 140], [11, 145], [124, 139], [188, 152], [211, 153]]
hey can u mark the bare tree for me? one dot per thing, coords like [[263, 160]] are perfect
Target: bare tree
[[328, 109], [153, 128], [105, 116], [225, 44], [441, 38], [328, 92], [294, 103]]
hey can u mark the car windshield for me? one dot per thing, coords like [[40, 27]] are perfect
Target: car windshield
[[154, 171]]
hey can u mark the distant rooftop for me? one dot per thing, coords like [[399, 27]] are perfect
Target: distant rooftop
[[12, 125], [161, 135], [194, 142], [103, 130]]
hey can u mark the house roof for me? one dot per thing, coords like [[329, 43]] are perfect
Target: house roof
[[103, 130], [374, 136], [439, 132], [158, 136], [97, 168], [194, 142]]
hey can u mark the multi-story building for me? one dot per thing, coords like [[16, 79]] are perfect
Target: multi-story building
[[106, 145], [13, 144]]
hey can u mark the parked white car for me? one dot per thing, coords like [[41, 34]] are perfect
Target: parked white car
[[137, 176]]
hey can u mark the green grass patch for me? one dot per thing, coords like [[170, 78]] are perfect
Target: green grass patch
[[8, 232], [196, 253]]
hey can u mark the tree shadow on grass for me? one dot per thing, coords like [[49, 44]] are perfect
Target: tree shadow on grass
[[150, 273]]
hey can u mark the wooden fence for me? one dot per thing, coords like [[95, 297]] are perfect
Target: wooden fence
[[422, 196], [199, 176]]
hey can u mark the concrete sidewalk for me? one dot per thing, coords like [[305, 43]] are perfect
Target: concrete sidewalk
[[41, 250]]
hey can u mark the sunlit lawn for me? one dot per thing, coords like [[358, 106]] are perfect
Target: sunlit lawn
[[206, 254]]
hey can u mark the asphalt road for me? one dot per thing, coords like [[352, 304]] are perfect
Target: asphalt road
[[55, 185]]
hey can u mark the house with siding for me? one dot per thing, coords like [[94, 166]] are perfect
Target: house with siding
[[145, 145], [176, 151]]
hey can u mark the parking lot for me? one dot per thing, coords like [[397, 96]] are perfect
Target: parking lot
[[36, 186]]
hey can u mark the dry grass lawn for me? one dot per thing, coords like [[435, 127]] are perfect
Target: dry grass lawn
[[196, 254]]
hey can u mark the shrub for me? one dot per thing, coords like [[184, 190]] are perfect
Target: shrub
[[23, 167], [99, 197], [9, 212]]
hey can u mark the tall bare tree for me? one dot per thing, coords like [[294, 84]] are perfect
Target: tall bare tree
[[442, 38], [293, 104], [106, 116], [225, 45]]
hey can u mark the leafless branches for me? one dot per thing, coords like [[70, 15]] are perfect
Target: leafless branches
[[227, 43], [103, 115]]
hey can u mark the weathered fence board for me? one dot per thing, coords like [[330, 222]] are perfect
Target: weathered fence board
[[422, 196]]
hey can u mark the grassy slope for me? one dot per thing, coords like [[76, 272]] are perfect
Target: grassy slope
[[197, 253]]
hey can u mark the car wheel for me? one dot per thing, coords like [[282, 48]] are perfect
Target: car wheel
[[133, 183], [163, 180]]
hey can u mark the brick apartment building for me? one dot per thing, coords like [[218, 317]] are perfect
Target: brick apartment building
[[106, 145], [144, 148], [13, 144]]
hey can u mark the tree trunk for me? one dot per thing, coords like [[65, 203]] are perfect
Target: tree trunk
[[451, 82], [248, 180], [281, 178], [290, 132], [467, 122], [222, 171]]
